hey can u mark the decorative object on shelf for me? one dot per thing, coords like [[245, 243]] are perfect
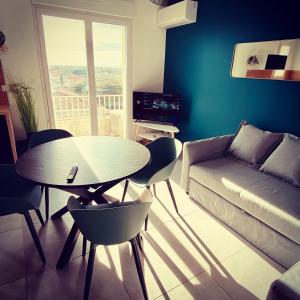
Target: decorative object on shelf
[[22, 92], [3, 47], [252, 60]]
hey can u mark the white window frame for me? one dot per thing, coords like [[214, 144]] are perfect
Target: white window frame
[[88, 18]]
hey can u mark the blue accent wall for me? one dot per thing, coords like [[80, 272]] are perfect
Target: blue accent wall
[[198, 62]]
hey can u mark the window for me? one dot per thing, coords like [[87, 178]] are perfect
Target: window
[[85, 66]]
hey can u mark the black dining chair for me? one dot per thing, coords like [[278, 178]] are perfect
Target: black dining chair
[[164, 154], [111, 224], [18, 196], [42, 137]]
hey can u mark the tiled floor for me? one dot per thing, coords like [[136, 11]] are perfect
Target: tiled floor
[[186, 256]]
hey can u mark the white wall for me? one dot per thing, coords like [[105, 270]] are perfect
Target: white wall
[[22, 57], [148, 49], [16, 21]]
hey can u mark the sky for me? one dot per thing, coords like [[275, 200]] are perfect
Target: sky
[[66, 45]]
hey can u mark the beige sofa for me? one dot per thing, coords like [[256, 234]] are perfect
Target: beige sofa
[[287, 287], [262, 208]]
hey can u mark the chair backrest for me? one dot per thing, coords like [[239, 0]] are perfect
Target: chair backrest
[[16, 194], [48, 135], [110, 224], [164, 153]]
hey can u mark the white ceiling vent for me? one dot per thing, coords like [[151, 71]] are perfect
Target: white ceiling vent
[[181, 13]]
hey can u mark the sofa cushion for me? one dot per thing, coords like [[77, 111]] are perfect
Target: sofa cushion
[[277, 204], [226, 177], [284, 162], [253, 145], [269, 199]]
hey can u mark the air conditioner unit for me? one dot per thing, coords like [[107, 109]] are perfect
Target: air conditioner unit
[[181, 13]]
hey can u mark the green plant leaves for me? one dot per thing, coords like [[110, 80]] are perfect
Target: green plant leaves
[[25, 102]]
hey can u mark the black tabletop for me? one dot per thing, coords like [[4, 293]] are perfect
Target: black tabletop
[[100, 160]]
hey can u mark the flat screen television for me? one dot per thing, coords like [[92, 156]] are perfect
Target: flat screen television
[[276, 62], [156, 107]]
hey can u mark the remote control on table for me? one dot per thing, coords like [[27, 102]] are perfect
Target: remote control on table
[[72, 174]]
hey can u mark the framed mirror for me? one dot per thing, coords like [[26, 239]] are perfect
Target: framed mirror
[[277, 60]]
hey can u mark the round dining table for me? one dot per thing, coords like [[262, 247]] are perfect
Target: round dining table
[[102, 163]]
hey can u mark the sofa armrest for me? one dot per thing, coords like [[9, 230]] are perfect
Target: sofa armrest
[[201, 150], [287, 287]]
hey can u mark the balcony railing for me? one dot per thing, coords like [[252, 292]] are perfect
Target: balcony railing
[[78, 107], [73, 114]]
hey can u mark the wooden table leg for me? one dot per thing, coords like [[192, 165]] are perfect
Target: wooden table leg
[[60, 213], [73, 235], [68, 247], [84, 195]]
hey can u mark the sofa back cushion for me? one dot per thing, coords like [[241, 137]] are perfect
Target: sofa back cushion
[[284, 162], [252, 145]]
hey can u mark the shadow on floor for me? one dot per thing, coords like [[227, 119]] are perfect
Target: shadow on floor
[[190, 261]]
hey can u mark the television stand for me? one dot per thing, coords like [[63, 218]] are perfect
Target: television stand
[[157, 130]]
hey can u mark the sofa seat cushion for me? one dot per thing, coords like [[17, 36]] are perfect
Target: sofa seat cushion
[[227, 177], [269, 199], [277, 204]]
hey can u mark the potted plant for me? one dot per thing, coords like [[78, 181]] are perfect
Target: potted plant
[[22, 92]]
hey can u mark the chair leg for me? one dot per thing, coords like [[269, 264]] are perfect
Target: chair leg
[[39, 215], [47, 202], [139, 239], [89, 272], [34, 236], [146, 223], [125, 189], [146, 220], [154, 189], [84, 242], [68, 247], [139, 266], [172, 194]]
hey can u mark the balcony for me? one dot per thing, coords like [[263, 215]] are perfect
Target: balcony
[[72, 113]]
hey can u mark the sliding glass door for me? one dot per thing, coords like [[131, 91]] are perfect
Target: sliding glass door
[[110, 76], [68, 78], [85, 70]]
